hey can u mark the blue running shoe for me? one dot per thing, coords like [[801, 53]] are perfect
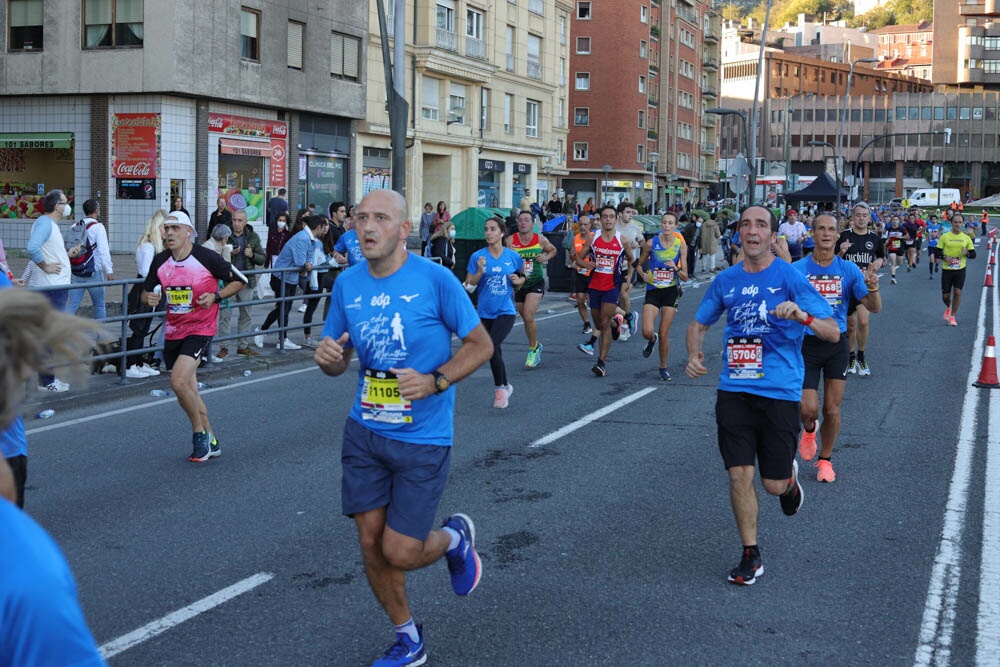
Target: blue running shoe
[[213, 448], [633, 323], [202, 447], [586, 348], [463, 561], [405, 651], [664, 375]]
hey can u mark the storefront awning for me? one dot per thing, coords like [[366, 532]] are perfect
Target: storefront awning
[[37, 140], [244, 147]]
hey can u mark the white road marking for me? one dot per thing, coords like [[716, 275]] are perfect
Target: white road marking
[[942, 595], [592, 417], [988, 619], [159, 626]]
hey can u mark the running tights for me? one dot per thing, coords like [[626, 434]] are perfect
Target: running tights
[[498, 330]]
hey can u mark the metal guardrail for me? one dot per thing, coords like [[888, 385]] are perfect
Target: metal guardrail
[[126, 318]]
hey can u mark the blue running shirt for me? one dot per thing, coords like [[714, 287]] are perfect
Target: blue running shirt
[[405, 320], [658, 258], [496, 293], [763, 354], [838, 284], [348, 244]]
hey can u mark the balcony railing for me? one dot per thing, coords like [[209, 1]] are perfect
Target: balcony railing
[[687, 14], [711, 36], [475, 48], [447, 39], [710, 63], [534, 69], [708, 91], [708, 147]]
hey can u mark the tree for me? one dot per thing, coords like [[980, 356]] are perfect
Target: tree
[[913, 11]]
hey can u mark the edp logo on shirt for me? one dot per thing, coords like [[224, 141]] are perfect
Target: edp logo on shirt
[[382, 300], [750, 290]]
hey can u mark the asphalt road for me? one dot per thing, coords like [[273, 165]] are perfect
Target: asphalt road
[[607, 546]]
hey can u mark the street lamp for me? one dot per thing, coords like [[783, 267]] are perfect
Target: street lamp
[[843, 117], [654, 156], [857, 163], [722, 111], [607, 170]]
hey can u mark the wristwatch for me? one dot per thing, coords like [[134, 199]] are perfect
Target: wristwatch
[[217, 298], [441, 381]]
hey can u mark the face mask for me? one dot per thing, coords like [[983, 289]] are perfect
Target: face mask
[[67, 210], [281, 224], [451, 233], [698, 224]]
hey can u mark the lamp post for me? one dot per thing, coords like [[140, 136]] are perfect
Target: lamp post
[[857, 163], [607, 170], [839, 168], [654, 156], [722, 111], [833, 154]]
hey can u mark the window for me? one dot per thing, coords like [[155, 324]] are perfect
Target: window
[[642, 120], [640, 154], [642, 84], [249, 30], [531, 118], [484, 108], [534, 56], [583, 80], [581, 116], [510, 48], [583, 11], [345, 56], [508, 105], [536, 6], [644, 14], [25, 17], [643, 48], [474, 45], [445, 16], [581, 150], [562, 72], [583, 45], [430, 98], [112, 23], [562, 29], [295, 30], [963, 113], [456, 103]]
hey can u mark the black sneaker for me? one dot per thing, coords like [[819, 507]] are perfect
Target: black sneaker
[[599, 369], [214, 449], [748, 570], [791, 502], [616, 326], [650, 344], [587, 329]]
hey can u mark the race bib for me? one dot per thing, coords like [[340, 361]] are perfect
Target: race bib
[[663, 276], [829, 287], [745, 358], [954, 262], [529, 266], [180, 300], [381, 401], [894, 244], [605, 263]]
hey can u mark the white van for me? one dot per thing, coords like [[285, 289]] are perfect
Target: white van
[[929, 197]]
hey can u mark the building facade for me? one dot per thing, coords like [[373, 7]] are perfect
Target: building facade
[[967, 40], [639, 129], [907, 49], [487, 85], [135, 102]]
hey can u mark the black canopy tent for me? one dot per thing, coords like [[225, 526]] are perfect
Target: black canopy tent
[[822, 189]]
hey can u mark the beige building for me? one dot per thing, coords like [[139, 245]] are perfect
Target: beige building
[[487, 86]]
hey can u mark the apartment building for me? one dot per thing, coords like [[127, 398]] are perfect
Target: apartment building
[[639, 128], [907, 49], [967, 42], [488, 86], [133, 102]]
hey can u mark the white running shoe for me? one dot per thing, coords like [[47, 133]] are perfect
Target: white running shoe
[[149, 370], [289, 345], [258, 337], [302, 308], [136, 373], [55, 386]]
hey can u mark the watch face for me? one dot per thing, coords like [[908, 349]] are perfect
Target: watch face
[[442, 383]]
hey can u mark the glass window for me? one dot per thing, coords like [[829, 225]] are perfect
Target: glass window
[[456, 103], [445, 15], [642, 84], [951, 113], [430, 98], [989, 113], [25, 17], [508, 106], [583, 80], [531, 118], [112, 23], [938, 113], [562, 72], [536, 6], [642, 119], [249, 31], [583, 44], [643, 50], [534, 56], [473, 24], [977, 113], [880, 115], [900, 113], [583, 11], [510, 48], [484, 108], [562, 28], [808, 115], [914, 113], [867, 115], [644, 14], [964, 113], [855, 115], [581, 150], [345, 56], [581, 116], [640, 154], [925, 113], [295, 31]]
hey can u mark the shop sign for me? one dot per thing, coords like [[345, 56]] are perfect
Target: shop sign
[[492, 165], [135, 145], [522, 167], [242, 126], [249, 148], [278, 156], [136, 188], [31, 140], [618, 184]]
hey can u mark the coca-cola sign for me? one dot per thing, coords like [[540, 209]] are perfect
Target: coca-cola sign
[[135, 145], [243, 126]]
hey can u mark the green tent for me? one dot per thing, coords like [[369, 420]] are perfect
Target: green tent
[[471, 223]]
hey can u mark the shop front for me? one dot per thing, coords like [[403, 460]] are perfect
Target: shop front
[[324, 164], [252, 157], [488, 191], [135, 154], [519, 181], [31, 164]]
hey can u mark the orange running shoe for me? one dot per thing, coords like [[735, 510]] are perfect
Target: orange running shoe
[[825, 472], [947, 314], [952, 322], [807, 445]]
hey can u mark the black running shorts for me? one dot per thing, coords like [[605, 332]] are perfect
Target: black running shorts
[[578, 283], [757, 429], [664, 297], [192, 346], [952, 279], [535, 288], [822, 357]]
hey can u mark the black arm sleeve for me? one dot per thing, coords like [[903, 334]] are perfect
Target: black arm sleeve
[[218, 267]]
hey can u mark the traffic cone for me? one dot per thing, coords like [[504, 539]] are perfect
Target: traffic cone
[[988, 373], [993, 258], [989, 279]]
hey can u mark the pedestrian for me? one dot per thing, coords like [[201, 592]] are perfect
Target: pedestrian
[[535, 250], [221, 215], [218, 242], [47, 250], [492, 274], [275, 207], [956, 247], [426, 225], [246, 254], [710, 235], [839, 282], [177, 204], [399, 312], [189, 276], [768, 306], [441, 214], [41, 622], [323, 257], [579, 278], [794, 232], [442, 245], [149, 245], [277, 238], [666, 256], [90, 261]]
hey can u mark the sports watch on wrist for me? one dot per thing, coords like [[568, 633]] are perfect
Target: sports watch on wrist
[[441, 381]]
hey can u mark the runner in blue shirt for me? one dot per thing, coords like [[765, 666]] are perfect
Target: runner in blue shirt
[[769, 305], [348, 248], [493, 273], [398, 312], [840, 282]]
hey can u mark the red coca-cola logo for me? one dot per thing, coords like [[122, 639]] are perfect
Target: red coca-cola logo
[[280, 130], [134, 169], [217, 122]]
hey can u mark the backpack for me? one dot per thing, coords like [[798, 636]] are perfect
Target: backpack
[[83, 264]]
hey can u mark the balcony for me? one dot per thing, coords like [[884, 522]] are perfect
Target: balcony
[[982, 8], [475, 48], [711, 36], [708, 120], [708, 148], [447, 39], [708, 91], [710, 64], [687, 15]]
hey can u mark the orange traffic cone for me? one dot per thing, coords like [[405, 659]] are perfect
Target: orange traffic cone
[[989, 279], [988, 373], [993, 258]]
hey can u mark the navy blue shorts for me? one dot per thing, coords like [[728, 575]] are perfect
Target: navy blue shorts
[[597, 297], [405, 478]]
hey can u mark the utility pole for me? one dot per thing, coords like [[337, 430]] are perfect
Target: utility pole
[[395, 81], [755, 109]]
